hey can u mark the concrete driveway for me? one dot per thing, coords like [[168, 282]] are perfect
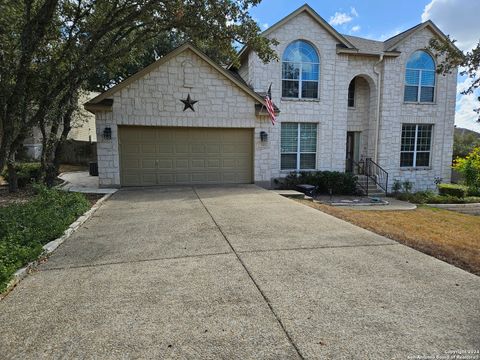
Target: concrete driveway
[[235, 273]]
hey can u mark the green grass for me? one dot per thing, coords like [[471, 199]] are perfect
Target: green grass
[[25, 228]]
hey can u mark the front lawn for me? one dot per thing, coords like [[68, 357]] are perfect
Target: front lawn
[[446, 235], [26, 226]]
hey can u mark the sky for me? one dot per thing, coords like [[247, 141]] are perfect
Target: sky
[[381, 19]]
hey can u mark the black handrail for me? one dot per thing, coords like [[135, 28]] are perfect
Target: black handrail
[[377, 174]]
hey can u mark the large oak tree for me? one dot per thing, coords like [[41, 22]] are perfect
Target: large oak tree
[[52, 49]]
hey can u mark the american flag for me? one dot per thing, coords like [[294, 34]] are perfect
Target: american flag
[[269, 104]]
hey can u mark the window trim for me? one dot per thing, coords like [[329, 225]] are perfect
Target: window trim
[[433, 102], [353, 81], [415, 151], [298, 153], [300, 75]]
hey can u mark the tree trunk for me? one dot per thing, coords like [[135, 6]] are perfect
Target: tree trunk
[[12, 175]]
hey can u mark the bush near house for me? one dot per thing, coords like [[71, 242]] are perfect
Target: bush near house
[[469, 167], [430, 197], [340, 183], [459, 191], [27, 173], [24, 228]]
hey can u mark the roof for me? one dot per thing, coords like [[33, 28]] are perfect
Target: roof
[[104, 102], [321, 21], [366, 45], [393, 42]]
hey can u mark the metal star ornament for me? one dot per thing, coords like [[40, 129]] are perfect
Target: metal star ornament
[[188, 102]]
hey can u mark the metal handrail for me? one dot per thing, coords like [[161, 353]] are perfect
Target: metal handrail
[[377, 174]]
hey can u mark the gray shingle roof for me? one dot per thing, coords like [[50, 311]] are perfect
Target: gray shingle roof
[[366, 45]]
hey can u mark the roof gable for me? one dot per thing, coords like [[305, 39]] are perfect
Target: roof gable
[[104, 101], [393, 42], [308, 10], [343, 41]]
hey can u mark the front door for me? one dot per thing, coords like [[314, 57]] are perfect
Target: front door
[[353, 149]]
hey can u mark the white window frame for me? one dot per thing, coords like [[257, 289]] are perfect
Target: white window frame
[[301, 81], [298, 152], [415, 151]]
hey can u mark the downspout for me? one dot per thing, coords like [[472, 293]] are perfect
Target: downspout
[[379, 89]]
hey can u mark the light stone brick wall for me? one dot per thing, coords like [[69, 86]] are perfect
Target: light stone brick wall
[[394, 113], [154, 100], [334, 118]]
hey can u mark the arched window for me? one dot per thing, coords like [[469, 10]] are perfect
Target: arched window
[[300, 70], [419, 78]]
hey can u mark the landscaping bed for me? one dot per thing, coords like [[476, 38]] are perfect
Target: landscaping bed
[[448, 236], [27, 225]]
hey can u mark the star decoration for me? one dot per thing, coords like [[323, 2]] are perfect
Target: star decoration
[[188, 102]]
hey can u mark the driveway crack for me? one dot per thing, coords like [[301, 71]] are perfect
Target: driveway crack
[[265, 298]]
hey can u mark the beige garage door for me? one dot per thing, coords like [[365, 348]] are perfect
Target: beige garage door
[[183, 156]]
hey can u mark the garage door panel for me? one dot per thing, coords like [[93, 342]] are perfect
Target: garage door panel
[[183, 156]]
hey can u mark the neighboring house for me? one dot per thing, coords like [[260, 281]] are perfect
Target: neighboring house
[[83, 129], [340, 97]]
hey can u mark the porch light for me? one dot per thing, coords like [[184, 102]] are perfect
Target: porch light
[[107, 133], [263, 136]]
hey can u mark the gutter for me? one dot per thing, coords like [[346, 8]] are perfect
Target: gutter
[[379, 87]]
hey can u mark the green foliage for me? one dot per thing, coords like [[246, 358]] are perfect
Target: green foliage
[[459, 191], [469, 167], [430, 197], [24, 228], [407, 186], [340, 183], [27, 173], [397, 186], [464, 141]]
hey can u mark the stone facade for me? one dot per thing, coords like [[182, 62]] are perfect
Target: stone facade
[[153, 100]]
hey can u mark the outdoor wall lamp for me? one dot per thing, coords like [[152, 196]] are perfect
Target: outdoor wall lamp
[[107, 133], [263, 136]]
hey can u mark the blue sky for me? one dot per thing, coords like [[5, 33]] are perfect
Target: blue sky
[[379, 20]]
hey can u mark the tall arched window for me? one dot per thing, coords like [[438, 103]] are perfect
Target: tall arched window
[[300, 70], [419, 78]]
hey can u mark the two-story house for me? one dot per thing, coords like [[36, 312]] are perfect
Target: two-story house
[[341, 100]]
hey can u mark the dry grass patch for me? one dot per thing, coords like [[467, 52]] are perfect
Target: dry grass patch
[[446, 235]]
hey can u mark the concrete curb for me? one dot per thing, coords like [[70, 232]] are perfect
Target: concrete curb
[[50, 247]]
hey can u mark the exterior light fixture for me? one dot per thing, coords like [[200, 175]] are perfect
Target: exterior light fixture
[[263, 136], [107, 133]]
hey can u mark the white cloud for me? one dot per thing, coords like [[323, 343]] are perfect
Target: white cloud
[[457, 18], [265, 26], [341, 18], [356, 28], [465, 117]]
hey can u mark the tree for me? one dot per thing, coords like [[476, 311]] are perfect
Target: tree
[[464, 141], [453, 58], [469, 167], [57, 47]]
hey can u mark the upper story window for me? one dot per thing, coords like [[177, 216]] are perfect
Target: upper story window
[[351, 93], [420, 78], [300, 71]]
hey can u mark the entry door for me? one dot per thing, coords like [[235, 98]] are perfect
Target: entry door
[[352, 149]]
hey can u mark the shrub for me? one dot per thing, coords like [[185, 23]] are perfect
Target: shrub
[[459, 191], [469, 167], [24, 228], [340, 183], [26, 173]]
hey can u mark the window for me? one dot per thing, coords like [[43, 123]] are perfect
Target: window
[[299, 146], [300, 71], [351, 93], [419, 78], [416, 145]]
